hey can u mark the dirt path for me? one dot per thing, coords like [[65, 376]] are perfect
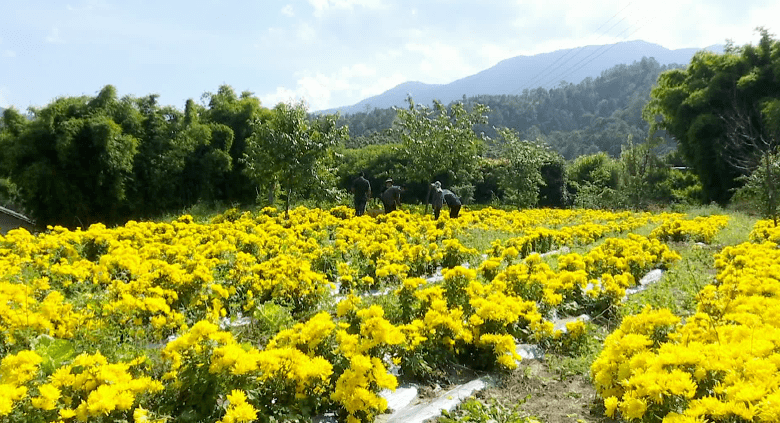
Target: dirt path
[[545, 395]]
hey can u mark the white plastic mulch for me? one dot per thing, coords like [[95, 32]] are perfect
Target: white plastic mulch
[[407, 407]]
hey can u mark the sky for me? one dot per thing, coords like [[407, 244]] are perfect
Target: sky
[[328, 53]]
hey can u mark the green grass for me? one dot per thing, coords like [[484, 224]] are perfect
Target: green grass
[[679, 286], [577, 363], [482, 238]]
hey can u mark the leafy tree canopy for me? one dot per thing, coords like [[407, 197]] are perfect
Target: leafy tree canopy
[[723, 110]]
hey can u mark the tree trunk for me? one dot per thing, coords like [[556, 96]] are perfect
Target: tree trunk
[[287, 202], [771, 189], [272, 193]]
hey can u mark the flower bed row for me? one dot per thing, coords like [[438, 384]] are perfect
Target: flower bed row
[[720, 365], [68, 296]]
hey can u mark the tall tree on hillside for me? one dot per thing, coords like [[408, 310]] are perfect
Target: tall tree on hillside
[[441, 141], [290, 149], [718, 110]]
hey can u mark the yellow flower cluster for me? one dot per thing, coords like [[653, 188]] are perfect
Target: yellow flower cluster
[[765, 230], [239, 410], [144, 283], [721, 365], [88, 387], [15, 371], [700, 229], [634, 255], [542, 239]]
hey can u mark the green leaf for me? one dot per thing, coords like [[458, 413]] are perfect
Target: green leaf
[[54, 352]]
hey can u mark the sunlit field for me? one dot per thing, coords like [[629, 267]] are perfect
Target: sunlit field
[[262, 316]]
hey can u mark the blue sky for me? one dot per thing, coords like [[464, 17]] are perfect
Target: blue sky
[[327, 52]]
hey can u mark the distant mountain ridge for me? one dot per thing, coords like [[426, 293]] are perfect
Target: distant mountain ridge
[[512, 76]]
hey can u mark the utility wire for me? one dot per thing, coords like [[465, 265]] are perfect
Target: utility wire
[[576, 52]]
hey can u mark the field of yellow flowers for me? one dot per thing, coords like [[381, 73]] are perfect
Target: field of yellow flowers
[[259, 316]]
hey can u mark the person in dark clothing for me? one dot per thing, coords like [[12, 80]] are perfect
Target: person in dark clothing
[[391, 198], [453, 202], [444, 196], [437, 198], [362, 190]]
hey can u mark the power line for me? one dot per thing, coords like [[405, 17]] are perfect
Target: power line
[[562, 75], [577, 51], [572, 70]]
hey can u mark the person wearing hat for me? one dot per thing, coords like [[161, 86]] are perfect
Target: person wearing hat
[[391, 198], [362, 190]]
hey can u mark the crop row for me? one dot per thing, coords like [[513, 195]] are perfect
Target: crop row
[[141, 321], [720, 365]]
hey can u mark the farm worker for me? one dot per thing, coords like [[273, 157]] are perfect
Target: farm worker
[[437, 199], [453, 202], [391, 198], [362, 190], [444, 196]]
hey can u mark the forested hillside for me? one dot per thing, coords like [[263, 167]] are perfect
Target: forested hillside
[[575, 119]]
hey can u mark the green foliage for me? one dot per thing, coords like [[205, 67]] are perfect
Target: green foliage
[[598, 114], [473, 410], [520, 177], [646, 179], [54, 352], [594, 182], [242, 115], [292, 150], [723, 111], [761, 187], [378, 161], [81, 160], [553, 193], [74, 161], [269, 319], [440, 141], [679, 286], [9, 194]]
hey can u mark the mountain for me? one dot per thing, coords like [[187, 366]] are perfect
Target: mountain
[[512, 76]]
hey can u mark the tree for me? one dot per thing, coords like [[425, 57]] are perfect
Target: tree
[[637, 164], [595, 181], [719, 110], [441, 141], [243, 115], [520, 177], [74, 161], [291, 150], [761, 187]]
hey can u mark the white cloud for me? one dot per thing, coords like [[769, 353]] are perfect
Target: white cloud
[[9, 53], [54, 36], [321, 6], [281, 94], [349, 83], [358, 70], [381, 85], [440, 62], [288, 11], [313, 89], [306, 33]]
